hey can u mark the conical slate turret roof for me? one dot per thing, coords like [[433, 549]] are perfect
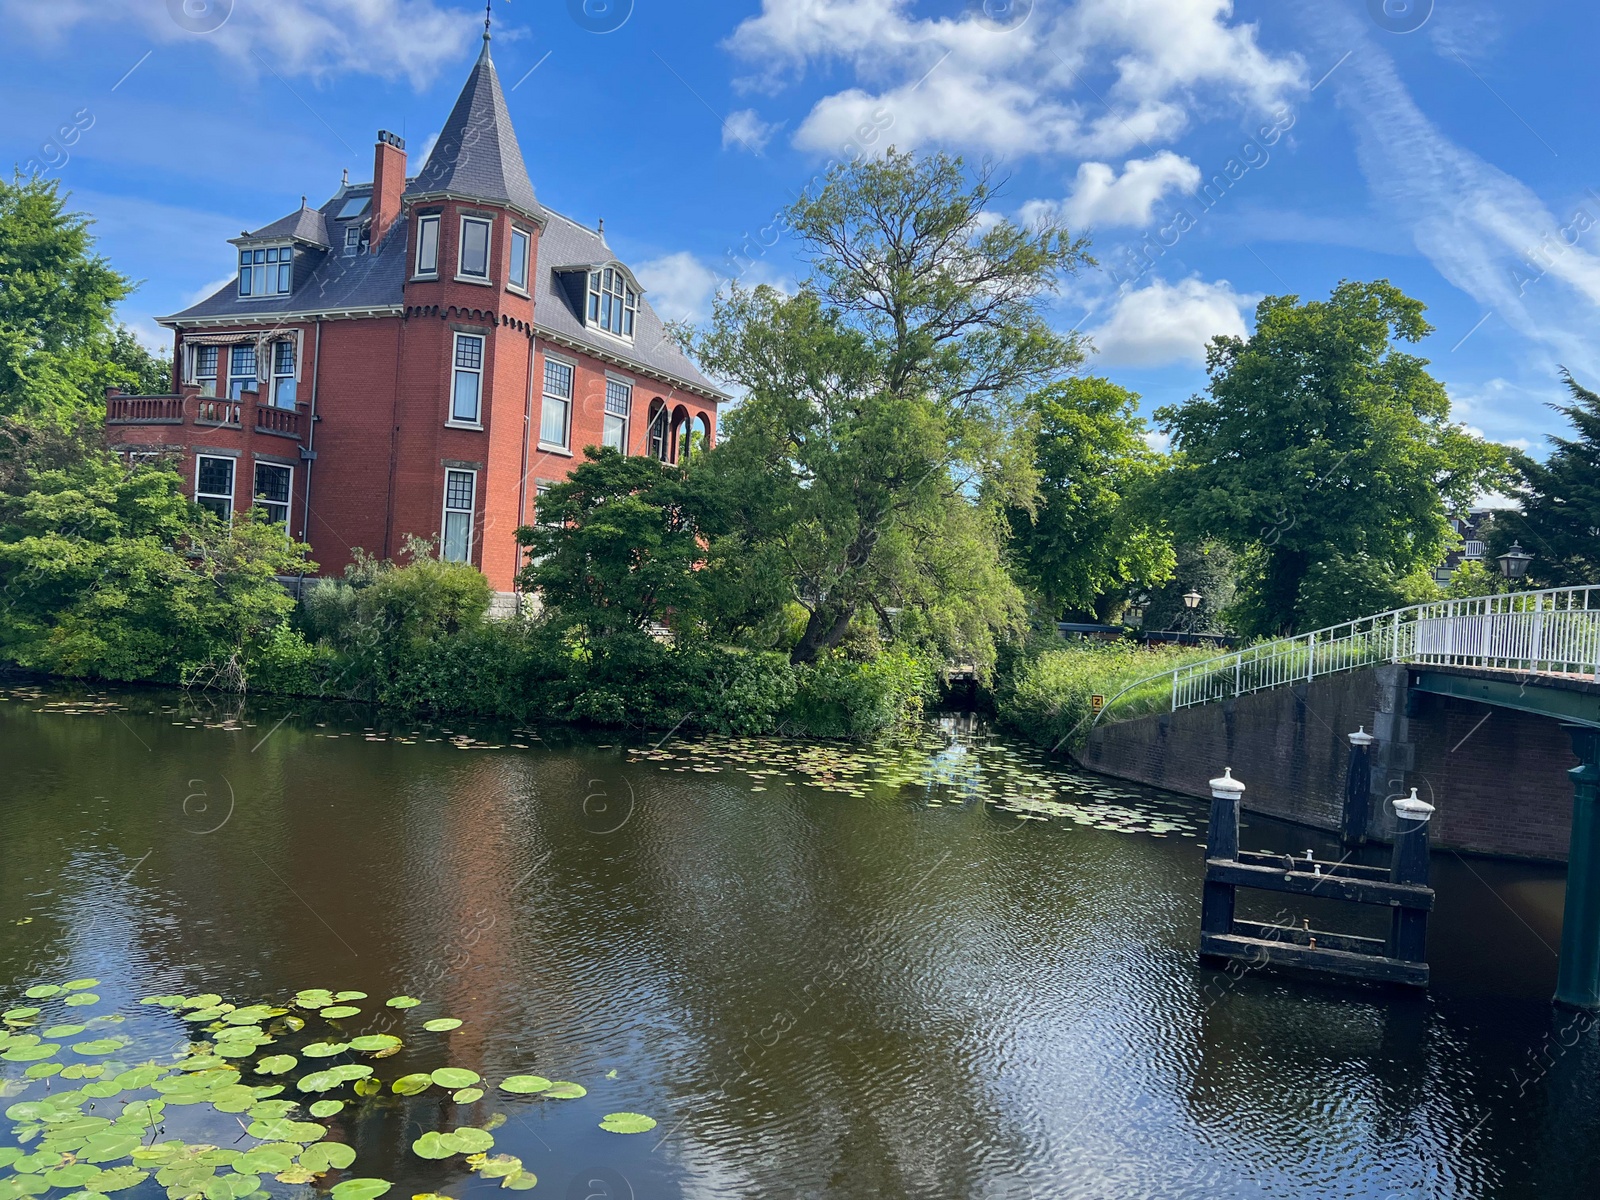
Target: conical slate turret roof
[[477, 154]]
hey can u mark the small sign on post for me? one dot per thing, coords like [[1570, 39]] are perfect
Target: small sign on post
[[1096, 704]]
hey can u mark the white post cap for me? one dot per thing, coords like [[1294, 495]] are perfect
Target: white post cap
[[1413, 808], [1363, 738], [1227, 787]]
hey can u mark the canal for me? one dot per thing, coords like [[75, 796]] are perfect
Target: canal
[[943, 968]]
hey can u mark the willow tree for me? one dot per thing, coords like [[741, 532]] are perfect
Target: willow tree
[[882, 437]]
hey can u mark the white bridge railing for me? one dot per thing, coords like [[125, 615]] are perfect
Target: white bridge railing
[[1555, 631]]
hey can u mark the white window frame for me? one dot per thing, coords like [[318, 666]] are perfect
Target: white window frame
[[201, 380], [352, 240], [446, 512], [608, 416], [267, 280], [524, 260], [432, 221], [621, 300], [462, 274], [255, 497], [1473, 550], [278, 377], [233, 480], [546, 396], [457, 371], [254, 378]]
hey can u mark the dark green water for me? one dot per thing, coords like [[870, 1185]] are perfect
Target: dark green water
[[817, 984]]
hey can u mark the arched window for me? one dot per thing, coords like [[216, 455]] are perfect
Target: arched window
[[700, 439], [680, 434]]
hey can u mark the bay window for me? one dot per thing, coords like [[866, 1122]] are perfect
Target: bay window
[[460, 494], [474, 258], [466, 400]]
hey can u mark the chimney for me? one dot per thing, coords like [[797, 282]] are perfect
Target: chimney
[[388, 182]]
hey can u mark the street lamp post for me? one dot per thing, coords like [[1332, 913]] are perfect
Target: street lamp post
[[1514, 562], [1191, 601]]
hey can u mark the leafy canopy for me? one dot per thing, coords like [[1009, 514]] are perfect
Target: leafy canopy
[[1560, 519], [1322, 442], [881, 436]]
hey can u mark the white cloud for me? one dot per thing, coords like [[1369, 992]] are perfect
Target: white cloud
[[1019, 90], [1101, 197], [1169, 324], [747, 130], [412, 39], [679, 286]]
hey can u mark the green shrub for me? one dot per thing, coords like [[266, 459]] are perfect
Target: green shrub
[[836, 697]]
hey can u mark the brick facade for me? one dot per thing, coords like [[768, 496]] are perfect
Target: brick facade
[[370, 434]]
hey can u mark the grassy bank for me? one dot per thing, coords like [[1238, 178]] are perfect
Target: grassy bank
[[1047, 695]]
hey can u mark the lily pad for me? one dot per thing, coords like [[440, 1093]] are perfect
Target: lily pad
[[43, 1071], [108, 1147], [441, 1025], [204, 1000], [327, 1156], [411, 1085], [375, 1041], [264, 1160], [561, 1090], [119, 1179], [368, 1087], [64, 1031], [627, 1122], [35, 1053], [521, 1181], [99, 1046], [326, 1108], [163, 1001], [285, 1130], [80, 999], [361, 1189], [434, 1145], [342, 997], [402, 1002], [500, 1166], [42, 991], [20, 1014], [338, 1012], [79, 985], [271, 1110], [319, 1081], [472, 1141], [325, 1049], [469, 1095], [525, 1085], [252, 1014], [455, 1077], [276, 1064]]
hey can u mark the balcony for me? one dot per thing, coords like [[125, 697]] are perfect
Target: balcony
[[204, 412]]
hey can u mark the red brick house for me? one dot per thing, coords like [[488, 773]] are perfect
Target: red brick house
[[421, 355]]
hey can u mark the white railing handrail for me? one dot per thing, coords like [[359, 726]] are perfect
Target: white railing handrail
[[1546, 630]]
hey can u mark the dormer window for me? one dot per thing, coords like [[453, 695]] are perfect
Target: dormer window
[[612, 302], [352, 240], [266, 271]]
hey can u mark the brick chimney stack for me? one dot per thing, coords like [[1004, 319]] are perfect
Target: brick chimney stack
[[388, 182]]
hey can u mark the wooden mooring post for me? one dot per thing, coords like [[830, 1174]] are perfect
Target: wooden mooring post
[[1402, 887], [1357, 789]]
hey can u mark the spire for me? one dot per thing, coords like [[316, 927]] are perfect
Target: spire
[[488, 19], [477, 154]]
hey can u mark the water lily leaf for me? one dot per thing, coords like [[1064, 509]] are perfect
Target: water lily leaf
[[346, 1072], [22, 1185], [271, 1110], [468, 1095], [235, 1099], [326, 1108], [521, 1181], [119, 1179], [441, 1025], [78, 985], [20, 1014], [72, 1175], [327, 1156], [627, 1122], [42, 1071], [375, 1041], [293, 1023], [361, 1189], [231, 1187], [276, 1064], [338, 1012], [202, 1015], [325, 1049], [411, 1085], [80, 999], [110, 1146], [100, 1046], [42, 991], [500, 1166], [344, 996], [561, 1090], [204, 1000], [472, 1141], [163, 1001], [36, 1053], [525, 1085], [139, 1077], [403, 1002], [368, 1087], [294, 1175], [64, 1031], [434, 1145], [264, 1160], [285, 1130], [319, 1081], [455, 1077], [85, 1071], [145, 1112], [252, 1014]]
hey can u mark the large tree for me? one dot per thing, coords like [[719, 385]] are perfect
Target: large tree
[[1322, 441], [881, 435], [1560, 518], [60, 343], [1093, 534]]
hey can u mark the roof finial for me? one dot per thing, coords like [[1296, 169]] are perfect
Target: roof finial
[[602, 227], [488, 17]]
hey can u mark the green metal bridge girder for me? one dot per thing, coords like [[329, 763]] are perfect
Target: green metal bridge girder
[[1527, 693]]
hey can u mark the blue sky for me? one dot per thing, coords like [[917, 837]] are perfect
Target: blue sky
[[1446, 146]]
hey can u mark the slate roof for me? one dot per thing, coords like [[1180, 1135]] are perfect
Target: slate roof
[[477, 153], [305, 224]]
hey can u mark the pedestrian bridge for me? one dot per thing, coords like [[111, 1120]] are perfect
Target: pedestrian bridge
[[1476, 701]]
